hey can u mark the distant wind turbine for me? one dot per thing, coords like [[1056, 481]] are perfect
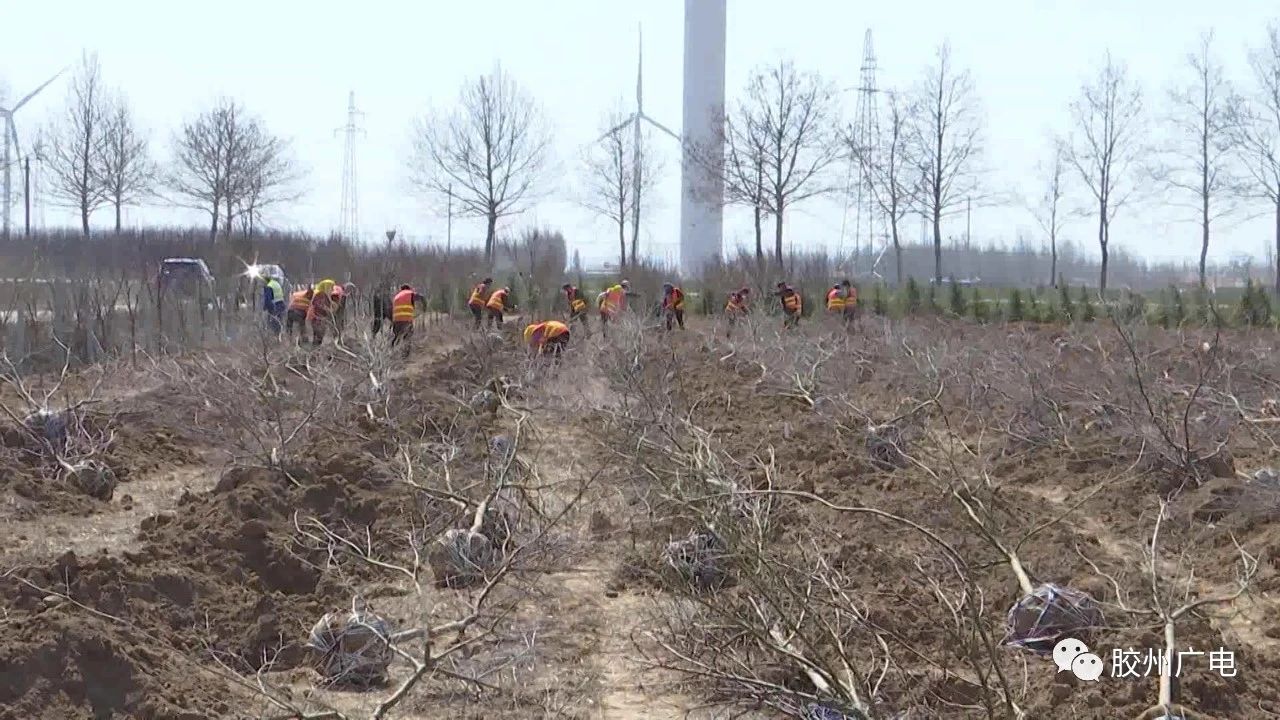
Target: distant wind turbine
[[634, 121], [11, 148]]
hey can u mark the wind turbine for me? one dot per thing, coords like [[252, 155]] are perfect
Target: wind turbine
[[10, 132], [634, 121]]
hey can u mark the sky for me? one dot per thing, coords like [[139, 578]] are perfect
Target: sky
[[293, 63]]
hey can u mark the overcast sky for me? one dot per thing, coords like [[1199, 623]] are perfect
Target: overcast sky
[[293, 63]]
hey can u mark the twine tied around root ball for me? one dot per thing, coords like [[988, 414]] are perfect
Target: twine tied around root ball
[[354, 648], [91, 478], [1050, 613], [461, 557]]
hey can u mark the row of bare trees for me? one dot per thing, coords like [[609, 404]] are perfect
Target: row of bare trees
[[225, 162]]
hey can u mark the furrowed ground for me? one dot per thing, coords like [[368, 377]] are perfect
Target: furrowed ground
[[853, 517]]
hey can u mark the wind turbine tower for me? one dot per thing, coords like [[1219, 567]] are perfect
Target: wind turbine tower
[[12, 150], [637, 154], [701, 185], [349, 224]]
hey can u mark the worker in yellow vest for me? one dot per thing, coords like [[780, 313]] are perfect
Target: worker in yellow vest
[[736, 308], [577, 303], [548, 337], [499, 303], [835, 301], [404, 309], [792, 305], [613, 302], [477, 300], [299, 302]]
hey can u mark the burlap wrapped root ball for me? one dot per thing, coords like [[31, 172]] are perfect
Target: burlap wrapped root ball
[[49, 426], [460, 558], [352, 648], [91, 478], [700, 559], [885, 447], [1051, 613]]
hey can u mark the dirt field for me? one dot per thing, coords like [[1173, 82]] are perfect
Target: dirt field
[[871, 496]]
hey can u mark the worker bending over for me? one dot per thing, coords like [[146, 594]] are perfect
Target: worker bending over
[[792, 305], [548, 337], [499, 304], [612, 302], [736, 308], [299, 304], [478, 299], [673, 305], [577, 303], [404, 309], [835, 301]]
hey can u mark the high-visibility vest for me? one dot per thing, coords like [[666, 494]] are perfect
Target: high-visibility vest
[[277, 292], [614, 298], [477, 296], [835, 300], [320, 306], [675, 300], [402, 309], [737, 303], [791, 303], [299, 301], [498, 300], [851, 299], [324, 287], [538, 335], [576, 303]]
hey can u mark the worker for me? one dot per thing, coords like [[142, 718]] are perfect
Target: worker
[[792, 305], [299, 303], [404, 307], [736, 308], [320, 311], [577, 303], [478, 299], [612, 302], [548, 337], [835, 301], [273, 304], [338, 296], [850, 301], [673, 305], [498, 304]]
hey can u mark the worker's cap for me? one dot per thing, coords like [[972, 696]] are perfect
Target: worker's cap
[[506, 289], [626, 283], [781, 284], [487, 281], [745, 290], [836, 286], [668, 286], [565, 286], [406, 287]]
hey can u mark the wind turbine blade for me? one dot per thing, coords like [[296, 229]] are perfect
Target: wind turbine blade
[[35, 92], [619, 126], [660, 126], [640, 70]]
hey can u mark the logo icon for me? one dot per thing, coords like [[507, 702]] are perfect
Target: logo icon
[[1072, 655]]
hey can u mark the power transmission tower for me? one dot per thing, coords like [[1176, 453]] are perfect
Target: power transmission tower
[[349, 224], [866, 136]]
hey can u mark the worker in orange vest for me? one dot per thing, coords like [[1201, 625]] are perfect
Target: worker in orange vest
[[548, 337], [577, 303], [736, 308], [850, 301], [612, 302], [792, 305], [478, 299], [320, 312], [835, 301], [673, 304], [404, 308], [299, 302], [498, 304]]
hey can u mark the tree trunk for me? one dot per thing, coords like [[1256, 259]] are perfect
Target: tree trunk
[[897, 249], [1204, 236], [1053, 260], [117, 203], [937, 244], [491, 237], [1102, 247], [1278, 244], [84, 218], [226, 227], [213, 223], [760, 238], [622, 244], [777, 234]]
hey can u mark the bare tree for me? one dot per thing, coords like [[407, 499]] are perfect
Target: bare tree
[[125, 168], [76, 142], [228, 165], [1048, 210], [1258, 131], [793, 116], [890, 171], [947, 140], [743, 167], [1105, 146], [491, 148], [1203, 154], [610, 182]]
